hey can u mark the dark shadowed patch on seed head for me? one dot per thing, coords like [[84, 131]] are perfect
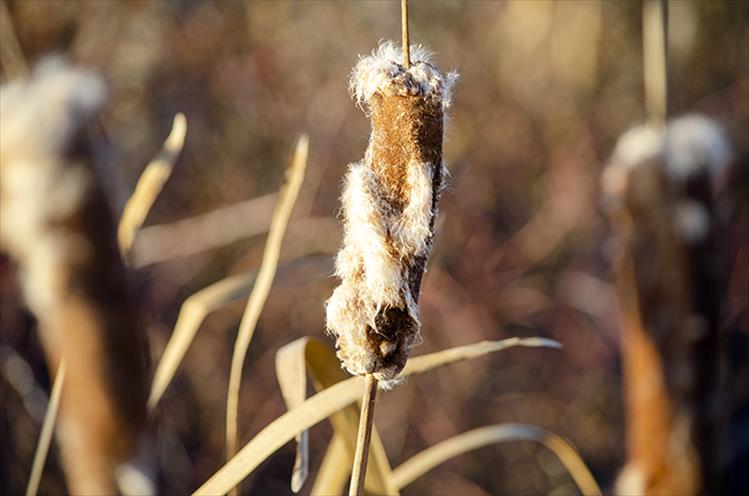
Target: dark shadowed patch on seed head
[[395, 330]]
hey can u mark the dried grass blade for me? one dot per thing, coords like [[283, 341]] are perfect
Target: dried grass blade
[[334, 471], [191, 315], [286, 200], [45, 437], [292, 379], [312, 355], [281, 431], [220, 227], [197, 307], [325, 403], [150, 184], [423, 462], [424, 363]]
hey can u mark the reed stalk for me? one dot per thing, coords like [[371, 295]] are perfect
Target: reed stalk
[[363, 436]]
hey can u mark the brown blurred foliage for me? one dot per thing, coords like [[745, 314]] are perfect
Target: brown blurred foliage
[[545, 89]]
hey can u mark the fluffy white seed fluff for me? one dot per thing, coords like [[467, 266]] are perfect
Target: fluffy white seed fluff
[[634, 147], [382, 72], [370, 261], [692, 221], [366, 250], [688, 146], [38, 118], [412, 228], [694, 142]]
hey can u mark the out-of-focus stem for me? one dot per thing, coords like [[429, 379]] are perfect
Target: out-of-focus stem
[[655, 59]]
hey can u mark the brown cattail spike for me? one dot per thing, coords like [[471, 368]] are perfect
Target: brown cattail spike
[[389, 206]]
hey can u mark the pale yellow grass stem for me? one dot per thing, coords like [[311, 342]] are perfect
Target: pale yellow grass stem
[[332, 474], [48, 428], [286, 199], [655, 60]]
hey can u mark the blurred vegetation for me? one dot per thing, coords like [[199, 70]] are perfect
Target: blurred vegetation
[[545, 90]]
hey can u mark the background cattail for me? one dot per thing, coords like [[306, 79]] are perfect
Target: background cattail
[[58, 227], [389, 205], [659, 185]]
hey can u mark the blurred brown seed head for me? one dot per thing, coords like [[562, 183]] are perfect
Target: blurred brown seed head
[[57, 225]]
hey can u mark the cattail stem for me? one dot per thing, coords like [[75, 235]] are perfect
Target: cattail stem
[[45, 436], [404, 34], [655, 60], [361, 456]]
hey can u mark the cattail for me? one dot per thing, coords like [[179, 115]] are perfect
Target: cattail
[[389, 205], [57, 225], [659, 190]]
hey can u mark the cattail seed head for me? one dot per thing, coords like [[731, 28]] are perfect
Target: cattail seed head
[[389, 204], [659, 192], [55, 222]]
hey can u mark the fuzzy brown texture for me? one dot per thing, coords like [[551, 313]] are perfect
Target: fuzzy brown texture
[[406, 131]]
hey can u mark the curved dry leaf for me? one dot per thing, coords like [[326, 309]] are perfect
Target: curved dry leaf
[[325, 403], [333, 472], [196, 308], [423, 462], [281, 431], [191, 315], [287, 196], [292, 363], [292, 379], [150, 184], [423, 363]]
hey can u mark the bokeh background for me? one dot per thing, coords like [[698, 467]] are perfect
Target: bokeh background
[[522, 249]]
